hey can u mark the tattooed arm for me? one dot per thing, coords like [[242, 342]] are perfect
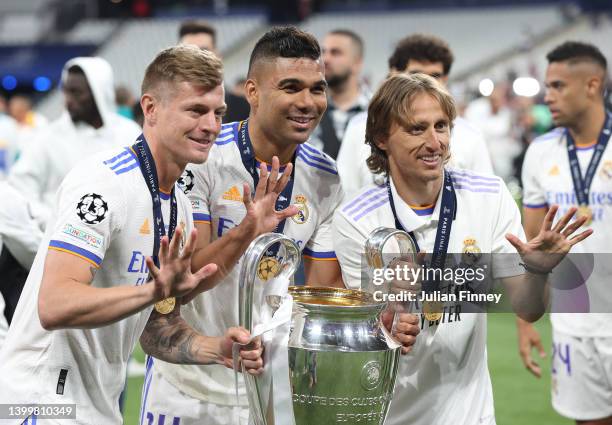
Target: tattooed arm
[[169, 338]]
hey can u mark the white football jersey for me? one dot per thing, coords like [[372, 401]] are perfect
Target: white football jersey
[[215, 190], [547, 180], [104, 215], [445, 378], [468, 151]]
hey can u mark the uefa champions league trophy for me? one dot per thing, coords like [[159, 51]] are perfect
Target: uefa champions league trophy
[[334, 362]]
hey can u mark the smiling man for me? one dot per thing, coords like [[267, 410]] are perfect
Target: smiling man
[[286, 90], [93, 284], [445, 380]]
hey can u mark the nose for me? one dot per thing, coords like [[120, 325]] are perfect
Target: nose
[[210, 123], [433, 139], [305, 100], [548, 98]]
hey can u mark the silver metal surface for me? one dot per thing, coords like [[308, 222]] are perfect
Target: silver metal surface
[[342, 361]]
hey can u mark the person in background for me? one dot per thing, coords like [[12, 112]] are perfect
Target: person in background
[[417, 53], [203, 35], [347, 96]]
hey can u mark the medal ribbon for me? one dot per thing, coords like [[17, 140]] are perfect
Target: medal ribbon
[[582, 187], [147, 167], [247, 155], [448, 212]]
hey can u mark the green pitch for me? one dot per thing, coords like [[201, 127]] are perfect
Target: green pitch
[[519, 397]]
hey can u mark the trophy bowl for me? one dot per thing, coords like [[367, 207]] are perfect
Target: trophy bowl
[[342, 362]]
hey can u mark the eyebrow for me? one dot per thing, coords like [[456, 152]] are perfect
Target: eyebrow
[[299, 82]]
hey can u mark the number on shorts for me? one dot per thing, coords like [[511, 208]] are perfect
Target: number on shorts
[[562, 352], [161, 420]]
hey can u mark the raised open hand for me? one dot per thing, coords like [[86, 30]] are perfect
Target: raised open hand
[[174, 278], [547, 249], [261, 215]]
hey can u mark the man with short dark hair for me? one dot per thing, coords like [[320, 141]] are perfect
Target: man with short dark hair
[[202, 34], [198, 33], [572, 166], [343, 60], [418, 53], [286, 89], [120, 242]]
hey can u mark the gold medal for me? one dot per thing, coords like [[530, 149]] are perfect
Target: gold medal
[[268, 268], [585, 211], [433, 310], [165, 306]]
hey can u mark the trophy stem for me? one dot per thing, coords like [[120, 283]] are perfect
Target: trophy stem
[[288, 257]]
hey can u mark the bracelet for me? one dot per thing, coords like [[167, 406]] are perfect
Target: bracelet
[[534, 271]]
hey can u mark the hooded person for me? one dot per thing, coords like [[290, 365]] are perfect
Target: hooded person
[[89, 124]]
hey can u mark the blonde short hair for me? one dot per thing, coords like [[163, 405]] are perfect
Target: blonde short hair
[[392, 104], [183, 63]]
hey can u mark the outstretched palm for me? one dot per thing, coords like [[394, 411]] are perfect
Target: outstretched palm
[[174, 278], [548, 248], [261, 215]]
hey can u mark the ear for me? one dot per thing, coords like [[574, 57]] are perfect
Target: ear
[[251, 91], [381, 143], [444, 80], [594, 88], [149, 105]]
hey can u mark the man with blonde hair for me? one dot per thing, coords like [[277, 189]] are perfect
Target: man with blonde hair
[[446, 211], [121, 241]]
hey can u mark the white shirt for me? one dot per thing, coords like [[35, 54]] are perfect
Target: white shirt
[[468, 151], [547, 180], [104, 215], [58, 147], [215, 191], [20, 227], [445, 378]]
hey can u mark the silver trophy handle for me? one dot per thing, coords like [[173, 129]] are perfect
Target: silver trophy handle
[[374, 254], [289, 263], [378, 239]]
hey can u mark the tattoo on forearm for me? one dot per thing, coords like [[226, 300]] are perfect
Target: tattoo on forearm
[[169, 338]]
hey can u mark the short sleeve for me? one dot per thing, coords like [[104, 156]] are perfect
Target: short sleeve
[[89, 212], [195, 183], [321, 245], [505, 258], [534, 195], [349, 246]]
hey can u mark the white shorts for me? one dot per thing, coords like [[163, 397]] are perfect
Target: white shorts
[[581, 373], [163, 403]]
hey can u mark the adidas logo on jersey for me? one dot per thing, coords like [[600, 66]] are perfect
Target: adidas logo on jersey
[[233, 194], [145, 229], [554, 171]]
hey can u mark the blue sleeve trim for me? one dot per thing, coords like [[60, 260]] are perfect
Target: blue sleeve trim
[[535, 206], [327, 254], [201, 217], [65, 246]]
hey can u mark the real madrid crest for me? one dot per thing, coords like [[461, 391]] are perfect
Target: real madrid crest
[[302, 216], [471, 253]]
